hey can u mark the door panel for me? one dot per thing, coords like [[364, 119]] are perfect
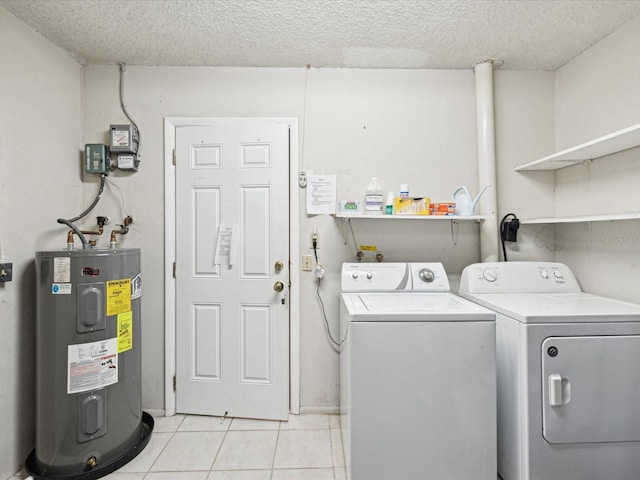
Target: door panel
[[255, 225], [205, 342], [591, 389], [207, 210], [256, 352], [232, 328]]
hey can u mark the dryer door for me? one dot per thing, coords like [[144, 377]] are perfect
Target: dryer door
[[591, 389]]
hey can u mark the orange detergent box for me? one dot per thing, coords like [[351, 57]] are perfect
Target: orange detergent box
[[411, 206], [446, 208]]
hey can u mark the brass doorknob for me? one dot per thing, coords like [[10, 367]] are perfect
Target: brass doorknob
[[278, 286], [278, 266]]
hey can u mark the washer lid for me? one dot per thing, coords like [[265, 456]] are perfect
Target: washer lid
[[558, 307], [412, 307]]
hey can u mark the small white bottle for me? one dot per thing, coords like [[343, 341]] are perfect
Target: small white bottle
[[373, 198], [389, 206]]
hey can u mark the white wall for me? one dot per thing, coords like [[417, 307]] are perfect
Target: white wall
[[598, 93], [40, 165], [524, 109], [402, 126]]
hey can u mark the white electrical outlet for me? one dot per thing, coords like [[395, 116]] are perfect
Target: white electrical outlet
[[314, 236], [307, 263]]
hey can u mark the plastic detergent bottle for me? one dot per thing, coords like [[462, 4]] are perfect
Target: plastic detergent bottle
[[373, 198]]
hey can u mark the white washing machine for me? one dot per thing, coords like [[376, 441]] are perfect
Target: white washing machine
[[568, 373], [417, 376]]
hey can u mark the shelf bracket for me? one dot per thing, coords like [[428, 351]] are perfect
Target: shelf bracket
[[588, 230], [454, 232]]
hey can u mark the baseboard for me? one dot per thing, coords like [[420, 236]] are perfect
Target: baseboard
[[154, 412], [318, 409]]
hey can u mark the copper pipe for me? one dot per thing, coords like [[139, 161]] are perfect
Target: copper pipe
[[98, 232], [121, 231]]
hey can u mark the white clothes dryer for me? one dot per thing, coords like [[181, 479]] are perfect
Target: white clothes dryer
[[568, 373], [417, 376]]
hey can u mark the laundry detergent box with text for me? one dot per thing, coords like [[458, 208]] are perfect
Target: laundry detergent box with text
[[412, 206]]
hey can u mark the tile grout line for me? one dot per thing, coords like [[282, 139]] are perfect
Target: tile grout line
[[333, 464], [224, 437], [273, 460], [163, 448]]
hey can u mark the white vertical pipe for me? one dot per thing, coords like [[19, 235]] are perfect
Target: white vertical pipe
[[486, 160], [2, 257]]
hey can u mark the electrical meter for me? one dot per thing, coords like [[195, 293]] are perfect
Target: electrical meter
[[124, 141], [96, 158]]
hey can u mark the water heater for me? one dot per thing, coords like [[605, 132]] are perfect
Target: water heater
[[89, 418]]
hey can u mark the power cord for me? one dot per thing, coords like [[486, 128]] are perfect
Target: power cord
[[508, 231], [326, 322], [319, 273]]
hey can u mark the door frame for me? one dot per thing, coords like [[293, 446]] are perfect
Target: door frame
[[170, 126]]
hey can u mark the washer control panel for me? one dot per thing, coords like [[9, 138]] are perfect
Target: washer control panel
[[518, 277], [387, 277], [375, 277]]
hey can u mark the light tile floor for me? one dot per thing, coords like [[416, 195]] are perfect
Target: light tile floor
[[190, 447]]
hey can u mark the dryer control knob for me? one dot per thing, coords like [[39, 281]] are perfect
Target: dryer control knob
[[489, 275], [557, 273], [369, 275], [355, 275], [544, 274]]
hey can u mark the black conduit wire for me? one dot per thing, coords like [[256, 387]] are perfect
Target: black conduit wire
[[504, 250], [70, 223], [76, 230], [94, 203]]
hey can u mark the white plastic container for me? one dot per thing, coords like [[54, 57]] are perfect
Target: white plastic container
[[373, 198]]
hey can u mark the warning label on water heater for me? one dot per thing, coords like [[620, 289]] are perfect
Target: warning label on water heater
[[125, 332], [118, 296], [92, 365]]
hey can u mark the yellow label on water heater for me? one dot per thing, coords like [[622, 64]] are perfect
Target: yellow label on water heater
[[368, 248], [118, 296], [125, 331]]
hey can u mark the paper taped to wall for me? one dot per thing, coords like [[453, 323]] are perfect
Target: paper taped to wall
[[321, 194]]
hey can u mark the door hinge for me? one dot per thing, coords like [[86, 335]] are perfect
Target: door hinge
[[174, 383], [174, 269], [174, 156]]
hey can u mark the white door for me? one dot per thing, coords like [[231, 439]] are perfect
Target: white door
[[232, 243]]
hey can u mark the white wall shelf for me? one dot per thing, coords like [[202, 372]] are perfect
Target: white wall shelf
[[453, 219], [600, 147], [582, 218], [476, 218]]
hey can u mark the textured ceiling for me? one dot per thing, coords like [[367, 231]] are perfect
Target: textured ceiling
[[442, 34]]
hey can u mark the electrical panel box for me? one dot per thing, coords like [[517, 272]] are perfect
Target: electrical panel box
[[96, 158], [124, 139]]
